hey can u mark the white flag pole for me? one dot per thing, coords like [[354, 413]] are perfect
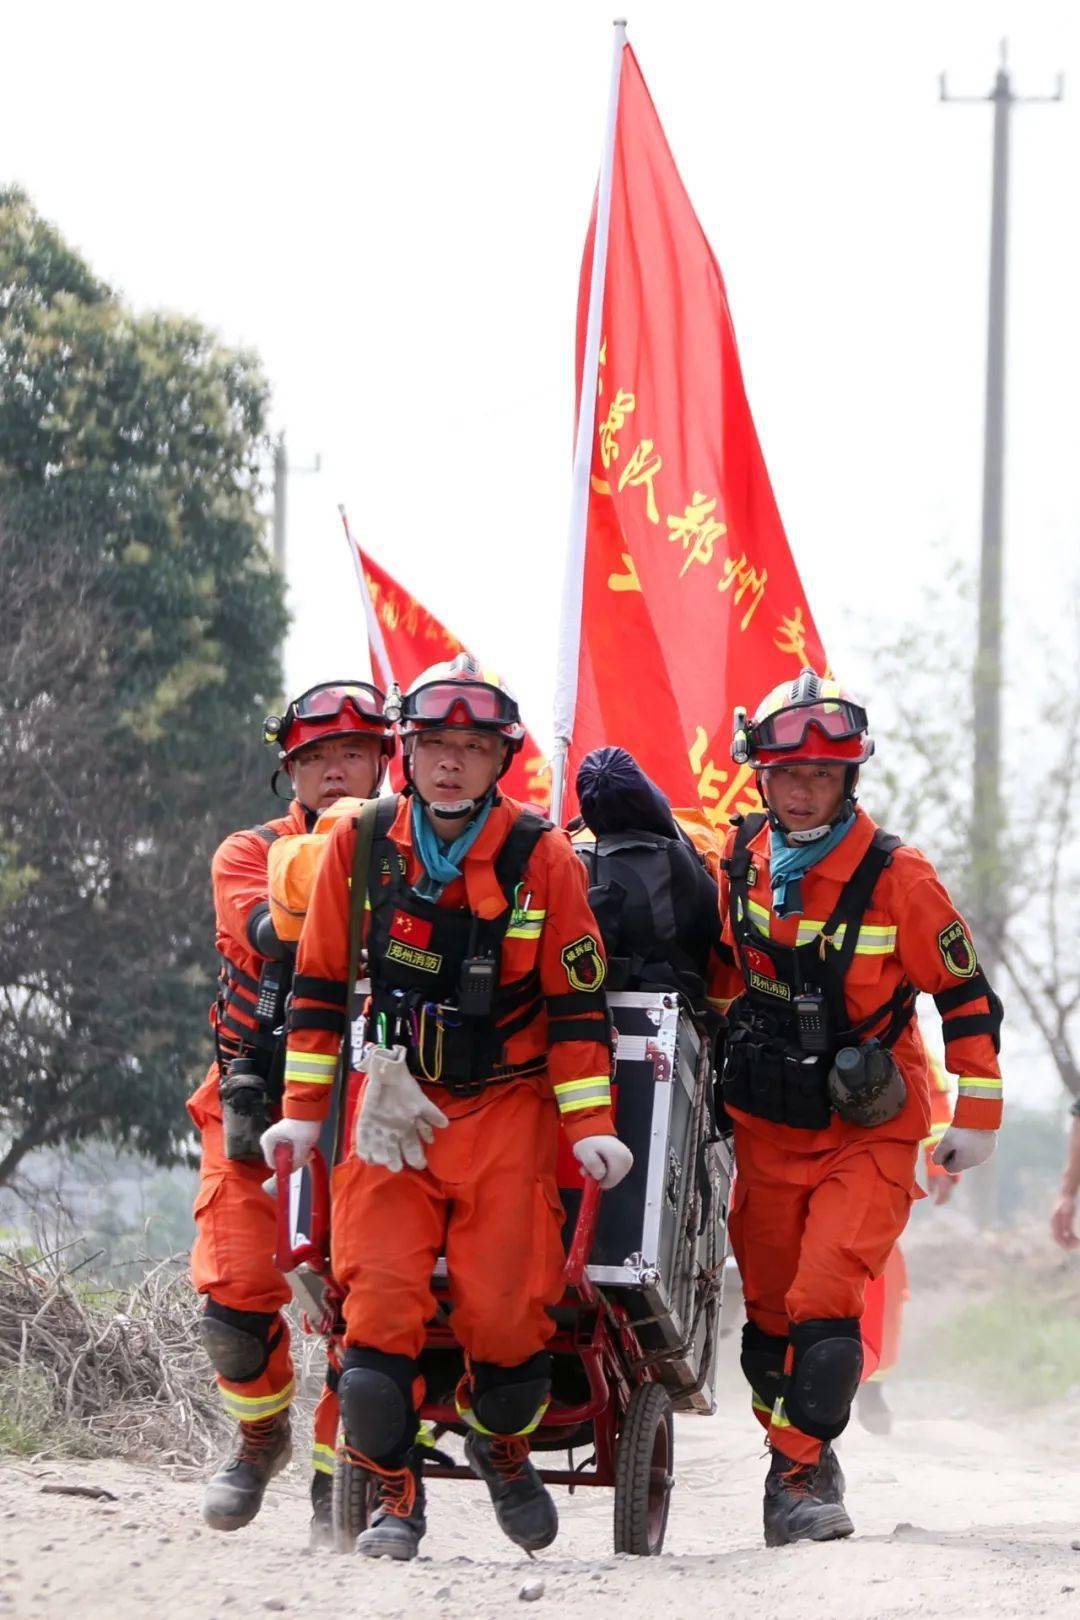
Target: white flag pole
[[376, 639], [566, 670]]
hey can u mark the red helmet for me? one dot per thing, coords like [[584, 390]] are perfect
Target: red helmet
[[459, 693], [807, 721], [331, 709]]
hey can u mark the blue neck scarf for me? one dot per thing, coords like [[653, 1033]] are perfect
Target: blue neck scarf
[[441, 861], [789, 863]]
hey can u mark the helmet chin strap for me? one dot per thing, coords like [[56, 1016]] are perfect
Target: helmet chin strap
[[458, 807]]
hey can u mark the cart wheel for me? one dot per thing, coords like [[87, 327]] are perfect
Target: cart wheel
[[349, 1504], [644, 1463]]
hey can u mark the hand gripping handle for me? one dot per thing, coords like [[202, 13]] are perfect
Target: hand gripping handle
[[314, 1251]]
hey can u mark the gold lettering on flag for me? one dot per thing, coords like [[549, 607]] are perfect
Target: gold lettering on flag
[[641, 469], [619, 409], [791, 636], [748, 579], [628, 581], [697, 530]]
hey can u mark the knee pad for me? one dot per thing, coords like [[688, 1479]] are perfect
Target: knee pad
[[508, 1400], [375, 1392], [238, 1343], [762, 1362], [826, 1368]]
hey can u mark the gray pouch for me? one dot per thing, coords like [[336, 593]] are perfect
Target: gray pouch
[[866, 1086]]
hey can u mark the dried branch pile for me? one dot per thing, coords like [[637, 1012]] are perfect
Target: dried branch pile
[[96, 1374]]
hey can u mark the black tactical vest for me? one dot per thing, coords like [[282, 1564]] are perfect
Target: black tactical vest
[[435, 970], [791, 1018]]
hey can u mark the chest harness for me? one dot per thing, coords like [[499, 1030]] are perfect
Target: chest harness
[[791, 1019], [435, 970]]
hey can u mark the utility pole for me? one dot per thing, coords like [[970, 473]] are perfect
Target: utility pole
[[282, 471], [986, 818]]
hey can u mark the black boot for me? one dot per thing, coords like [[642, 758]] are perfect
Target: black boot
[[872, 1409], [524, 1507], [261, 1450], [321, 1534], [398, 1519], [805, 1501]]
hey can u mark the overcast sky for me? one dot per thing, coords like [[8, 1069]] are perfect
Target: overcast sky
[[388, 203]]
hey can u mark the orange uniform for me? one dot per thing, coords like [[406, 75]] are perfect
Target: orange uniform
[[489, 1194], [816, 1211], [233, 1258]]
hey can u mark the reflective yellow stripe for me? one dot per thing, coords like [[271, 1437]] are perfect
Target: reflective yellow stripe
[[976, 1086], [875, 939], [936, 1133], [467, 1415], [592, 1092], [779, 1418], [248, 1408], [526, 925], [323, 1459], [310, 1068], [759, 915], [760, 1406]]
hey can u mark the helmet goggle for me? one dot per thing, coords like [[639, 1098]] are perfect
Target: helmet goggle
[[460, 703], [317, 710], [788, 728]]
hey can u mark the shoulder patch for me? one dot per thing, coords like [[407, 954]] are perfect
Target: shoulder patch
[[957, 951], [584, 965]]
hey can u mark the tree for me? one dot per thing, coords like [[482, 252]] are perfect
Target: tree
[[923, 785], [142, 627]]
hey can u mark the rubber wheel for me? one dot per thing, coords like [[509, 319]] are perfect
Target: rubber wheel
[[644, 1472], [349, 1504]]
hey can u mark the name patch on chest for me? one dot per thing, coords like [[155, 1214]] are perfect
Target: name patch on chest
[[413, 957], [769, 987]]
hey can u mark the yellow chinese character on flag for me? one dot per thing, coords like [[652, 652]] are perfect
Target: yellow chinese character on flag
[[696, 530], [619, 409], [746, 577], [642, 468]]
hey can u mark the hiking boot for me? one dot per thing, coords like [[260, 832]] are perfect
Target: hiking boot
[[524, 1507], [872, 1409], [805, 1501], [397, 1519], [321, 1533], [261, 1450]]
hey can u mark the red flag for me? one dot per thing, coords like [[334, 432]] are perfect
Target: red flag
[[691, 602], [412, 639]]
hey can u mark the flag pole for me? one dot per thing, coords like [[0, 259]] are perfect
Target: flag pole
[[566, 671], [376, 639]]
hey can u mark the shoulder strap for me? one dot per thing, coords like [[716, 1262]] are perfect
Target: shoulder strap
[[513, 858], [365, 824], [267, 834], [857, 893]]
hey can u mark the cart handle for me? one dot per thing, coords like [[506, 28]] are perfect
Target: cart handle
[[313, 1251], [584, 1232]]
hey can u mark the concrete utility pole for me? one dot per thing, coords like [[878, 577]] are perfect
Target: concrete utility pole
[[986, 823], [282, 471]]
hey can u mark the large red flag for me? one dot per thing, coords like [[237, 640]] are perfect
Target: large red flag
[[691, 602], [409, 639]]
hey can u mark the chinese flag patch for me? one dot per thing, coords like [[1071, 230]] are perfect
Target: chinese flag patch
[[411, 930], [759, 962]]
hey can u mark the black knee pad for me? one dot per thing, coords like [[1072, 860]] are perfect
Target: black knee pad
[[762, 1362], [507, 1399], [825, 1375], [375, 1391], [238, 1343]]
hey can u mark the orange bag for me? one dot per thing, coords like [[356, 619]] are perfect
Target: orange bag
[[293, 866]]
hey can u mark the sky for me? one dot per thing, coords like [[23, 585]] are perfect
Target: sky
[[388, 203]]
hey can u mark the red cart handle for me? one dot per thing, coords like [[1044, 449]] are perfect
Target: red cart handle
[[582, 1241], [314, 1252]]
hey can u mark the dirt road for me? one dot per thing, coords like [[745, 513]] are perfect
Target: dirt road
[[954, 1516]]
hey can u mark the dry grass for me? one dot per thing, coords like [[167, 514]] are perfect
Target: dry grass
[[90, 1373]]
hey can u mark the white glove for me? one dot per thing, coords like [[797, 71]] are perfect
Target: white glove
[[396, 1119], [301, 1135], [962, 1148], [604, 1158]]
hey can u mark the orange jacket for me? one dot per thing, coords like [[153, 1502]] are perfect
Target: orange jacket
[[911, 930], [238, 872], [554, 929]]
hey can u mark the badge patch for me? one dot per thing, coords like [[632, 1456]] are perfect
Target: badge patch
[[411, 930], [957, 951], [410, 956], [770, 987], [583, 963]]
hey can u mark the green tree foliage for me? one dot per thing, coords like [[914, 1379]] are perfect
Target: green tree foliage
[[142, 622]]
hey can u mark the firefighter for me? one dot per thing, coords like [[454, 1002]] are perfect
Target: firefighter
[[830, 929], [332, 741], [488, 1026]]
